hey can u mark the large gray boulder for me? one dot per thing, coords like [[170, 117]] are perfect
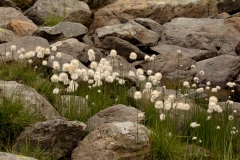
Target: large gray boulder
[[123, 47], [160, 11], [69, 10], [29, 43], [117, 113], [78, 50], [61, 31], [114, 141], [6, 35], [8, 14], [195, 54], [32, 100], [10, 156], [196, 33], [168, 65], [56, 137], [218, 70], [130, 31]]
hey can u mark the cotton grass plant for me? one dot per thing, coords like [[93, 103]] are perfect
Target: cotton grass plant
[[178, 120]]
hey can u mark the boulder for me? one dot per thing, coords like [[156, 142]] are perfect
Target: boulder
[[10, 156], [229, 6], [123, 47], [114, 141], [150, 24], [69, 10], [22, 28], [7, 3], [61, 31], [117, 113], [237, 89], [6, 35], [236, 14], [167, 64], [33, 101], [8, 14], [160, 11], [218, 70], [196, 33], [29, 43], [130, 31], [72, 47], [234, 21], [194, 54], [57, 137]]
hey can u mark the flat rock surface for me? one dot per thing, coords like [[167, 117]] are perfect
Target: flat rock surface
[[117, 113], [196, 33], [114, 141], [33, 101]]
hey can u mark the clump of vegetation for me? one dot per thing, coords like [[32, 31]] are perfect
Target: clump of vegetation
[[180, 123]]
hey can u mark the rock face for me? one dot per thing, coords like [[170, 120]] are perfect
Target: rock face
[[22, 28], [33, 101], [78, 50], [196, 33], [117, 113], [63, 30], [8, 14], [69, 10], [160, 11], [219, 70], [235, 22], [123, 47], [132, 32], [6, 35], [114, 141], [10, 156], [194, 54], [58, 137], [229, 6], [167, 64], [29, 43]]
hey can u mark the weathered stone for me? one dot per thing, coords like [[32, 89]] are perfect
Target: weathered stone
[[236, 14], [22, 28], [117, 113], [160, 11], [56, 137], [63, 30], [150, 24], [168, 65], [238, 87], [29, 43], [218, 70], [132, 32], [235, 22], [123, 47], [72, 47], [8, 14], [10, 156], [114, 141], [223, 15], [229, 6], [194, 54], [69, 10], [6, 35], [33, 101], [88, 40], [194, 33]]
